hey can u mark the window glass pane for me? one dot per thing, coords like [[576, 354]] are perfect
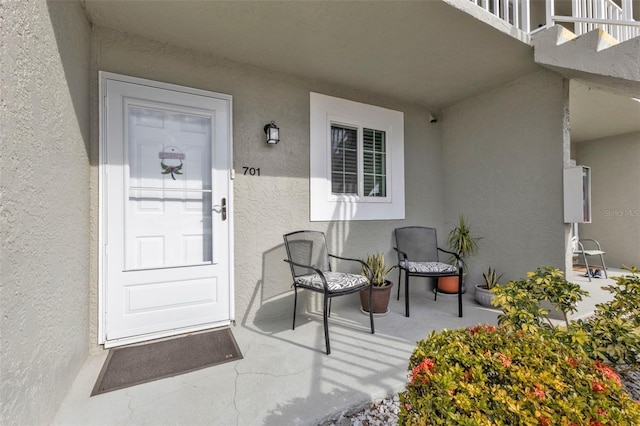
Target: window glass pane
[[374, 163], [344, 160]]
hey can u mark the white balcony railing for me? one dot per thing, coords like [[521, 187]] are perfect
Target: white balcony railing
[[613, 16], [616, 20], [516, 12]]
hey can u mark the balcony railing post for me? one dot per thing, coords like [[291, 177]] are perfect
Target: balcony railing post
[[627, 15], [576, 10], [627, 10], [526, 16], [550, 13], [504, 11]]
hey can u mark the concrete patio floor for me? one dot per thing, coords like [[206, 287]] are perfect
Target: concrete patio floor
[[285, 378]]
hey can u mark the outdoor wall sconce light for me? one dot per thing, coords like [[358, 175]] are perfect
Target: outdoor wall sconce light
[[273, 133]]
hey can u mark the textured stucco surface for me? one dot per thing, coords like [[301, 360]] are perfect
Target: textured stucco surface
[[44, 211], [496, 157], [503, 153], [615, 195], [276, 202]]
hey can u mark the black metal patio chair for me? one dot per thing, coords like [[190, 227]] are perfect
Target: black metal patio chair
[[417, 248], [308, 258]]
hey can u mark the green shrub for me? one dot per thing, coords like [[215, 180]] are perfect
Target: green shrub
[[611, 334], [485, 375], [521, 300]]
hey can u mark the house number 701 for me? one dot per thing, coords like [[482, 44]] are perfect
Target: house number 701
[[251, 171]]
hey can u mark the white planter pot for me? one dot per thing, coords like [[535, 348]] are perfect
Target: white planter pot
[[484, 297]]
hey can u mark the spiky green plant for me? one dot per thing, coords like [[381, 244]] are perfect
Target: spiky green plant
[[379, 269], [491, 278], [461, 241]]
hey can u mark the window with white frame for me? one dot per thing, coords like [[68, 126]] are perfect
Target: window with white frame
[[357, 160]]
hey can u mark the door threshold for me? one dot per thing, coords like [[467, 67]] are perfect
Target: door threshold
[[163, 334]]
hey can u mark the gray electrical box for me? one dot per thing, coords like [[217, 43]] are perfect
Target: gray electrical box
[[577, 194]]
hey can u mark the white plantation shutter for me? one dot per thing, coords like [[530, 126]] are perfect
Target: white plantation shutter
[[344, 160], [347, 151], [374, 163]]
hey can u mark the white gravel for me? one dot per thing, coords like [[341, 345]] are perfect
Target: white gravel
[[381, 413], [631, 382]]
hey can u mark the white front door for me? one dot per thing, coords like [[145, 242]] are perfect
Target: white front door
[[165, 232]]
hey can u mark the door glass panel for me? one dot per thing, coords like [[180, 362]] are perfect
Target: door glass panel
[[168, 211]]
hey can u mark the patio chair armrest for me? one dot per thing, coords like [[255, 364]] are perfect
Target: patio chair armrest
[[459, 262], [346, 258], [301, 265], [589, 239], [401, 254], [456, 255], [362, 263]]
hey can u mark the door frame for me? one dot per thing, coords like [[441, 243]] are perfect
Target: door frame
[[103, 76]]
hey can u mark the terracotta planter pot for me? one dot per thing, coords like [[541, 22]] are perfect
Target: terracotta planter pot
[[380, 297], [449, 285]]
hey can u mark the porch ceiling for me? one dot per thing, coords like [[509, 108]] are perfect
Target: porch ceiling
[[424, 52]]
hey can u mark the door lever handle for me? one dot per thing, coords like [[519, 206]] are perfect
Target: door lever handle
[[222, 208]]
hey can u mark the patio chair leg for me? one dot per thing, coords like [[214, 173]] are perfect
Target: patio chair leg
[[295, 303], [435, 293], [326, 325], [406, 294], [371, 310], [460, 294], [604, 268], [399, 278], [586, 265]]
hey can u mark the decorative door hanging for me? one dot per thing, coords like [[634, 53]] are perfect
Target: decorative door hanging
[[171, 161]]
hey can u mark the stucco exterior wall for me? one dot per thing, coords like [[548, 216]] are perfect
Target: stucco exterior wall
[[267, 206], [44, 212], [615, 196], [503, 158]]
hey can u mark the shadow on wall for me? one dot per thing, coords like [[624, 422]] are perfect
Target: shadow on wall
[[272, 295], [74, 61]]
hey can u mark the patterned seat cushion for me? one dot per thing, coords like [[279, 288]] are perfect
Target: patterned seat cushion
[[336, 281], [430, 267]]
